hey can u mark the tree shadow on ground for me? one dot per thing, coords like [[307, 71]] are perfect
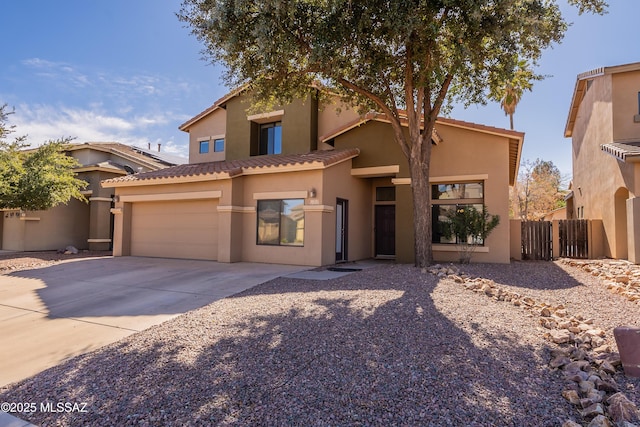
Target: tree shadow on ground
[[542, 275], [316, 353]]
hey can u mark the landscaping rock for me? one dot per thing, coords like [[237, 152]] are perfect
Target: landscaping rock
[[600, 421], [593, 411], [561, 336], [622, 409]]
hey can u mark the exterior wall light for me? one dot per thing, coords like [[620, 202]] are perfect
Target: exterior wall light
[[312, 193]]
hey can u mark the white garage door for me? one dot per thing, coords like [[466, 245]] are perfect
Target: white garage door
[[175, 229]]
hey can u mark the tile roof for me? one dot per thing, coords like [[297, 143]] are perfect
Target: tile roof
[[441, 120], [148, 157], [623, 151], [229, 169]]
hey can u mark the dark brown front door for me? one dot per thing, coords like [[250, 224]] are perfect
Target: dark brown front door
[[385, 230]]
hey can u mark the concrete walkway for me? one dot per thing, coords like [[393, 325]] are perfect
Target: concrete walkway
[[50, 314]]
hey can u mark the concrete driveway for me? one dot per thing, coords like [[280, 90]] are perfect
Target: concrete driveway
[[50, 314]]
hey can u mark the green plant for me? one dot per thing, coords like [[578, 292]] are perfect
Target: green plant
[[470, 227]]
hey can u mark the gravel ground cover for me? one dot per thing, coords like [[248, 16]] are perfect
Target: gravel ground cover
[[390, 345], [16, 261]]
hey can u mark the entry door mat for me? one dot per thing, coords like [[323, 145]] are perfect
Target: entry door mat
[[344, 269]]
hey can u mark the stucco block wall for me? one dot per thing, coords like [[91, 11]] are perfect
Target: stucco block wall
[[53, 229]]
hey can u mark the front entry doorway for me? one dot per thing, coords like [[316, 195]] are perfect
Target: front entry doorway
[[342, 211], [385, 231]]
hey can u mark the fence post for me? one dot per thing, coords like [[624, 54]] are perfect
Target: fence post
[[555, 238], [515, 241], [596, 240]]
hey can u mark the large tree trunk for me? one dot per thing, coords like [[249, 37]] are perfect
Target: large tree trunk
[[422, 226]]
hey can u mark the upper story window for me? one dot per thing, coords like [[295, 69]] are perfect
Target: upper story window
[[204, 147], [270, 138], [218, 145]]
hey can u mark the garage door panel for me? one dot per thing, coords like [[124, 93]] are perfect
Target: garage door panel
[[175, 229]]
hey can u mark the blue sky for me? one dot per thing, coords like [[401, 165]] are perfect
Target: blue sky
[[128, 71]]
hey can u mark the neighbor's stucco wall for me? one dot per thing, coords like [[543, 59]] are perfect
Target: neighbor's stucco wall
[[625, 88], [601, 183], [53, 229]]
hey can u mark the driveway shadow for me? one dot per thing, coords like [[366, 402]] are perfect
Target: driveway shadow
[[372, 348], [118, 287]]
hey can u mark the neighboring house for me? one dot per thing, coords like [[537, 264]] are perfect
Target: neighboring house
[[556, 214], [80, 224], [304, 185], [604, 124]]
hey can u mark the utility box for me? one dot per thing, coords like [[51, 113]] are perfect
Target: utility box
[[628, 340]]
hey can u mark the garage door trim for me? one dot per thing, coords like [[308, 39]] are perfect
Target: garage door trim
[[160, 197]]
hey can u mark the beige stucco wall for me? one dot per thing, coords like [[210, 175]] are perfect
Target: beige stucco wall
[[333, 115], [358, 192], [237, 214], [625, 88], [602, 184], [299, 127], [464, 155], [213, 126]]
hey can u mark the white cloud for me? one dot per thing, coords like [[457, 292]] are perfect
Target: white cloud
[[45, 122], [60, 71]]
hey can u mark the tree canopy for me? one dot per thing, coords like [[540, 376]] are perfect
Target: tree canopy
[[36, 179], [538, 190], [408, 59]]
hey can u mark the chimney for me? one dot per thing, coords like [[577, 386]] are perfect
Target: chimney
[[159, 147], [148, 146]]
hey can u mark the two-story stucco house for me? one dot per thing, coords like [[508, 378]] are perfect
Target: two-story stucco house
[[604, 125], [83, 225], [302, 184]]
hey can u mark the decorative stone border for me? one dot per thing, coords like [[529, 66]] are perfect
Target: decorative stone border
[[582, 354], [620, 277]]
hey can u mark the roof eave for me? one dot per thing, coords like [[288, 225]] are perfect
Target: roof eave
[[166, 180], [216, 106]]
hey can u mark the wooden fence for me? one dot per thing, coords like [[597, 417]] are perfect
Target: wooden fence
[[574, 238], [544, 240], [537, 243]]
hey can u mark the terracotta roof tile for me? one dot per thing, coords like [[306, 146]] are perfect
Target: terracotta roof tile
[[238, 167]]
